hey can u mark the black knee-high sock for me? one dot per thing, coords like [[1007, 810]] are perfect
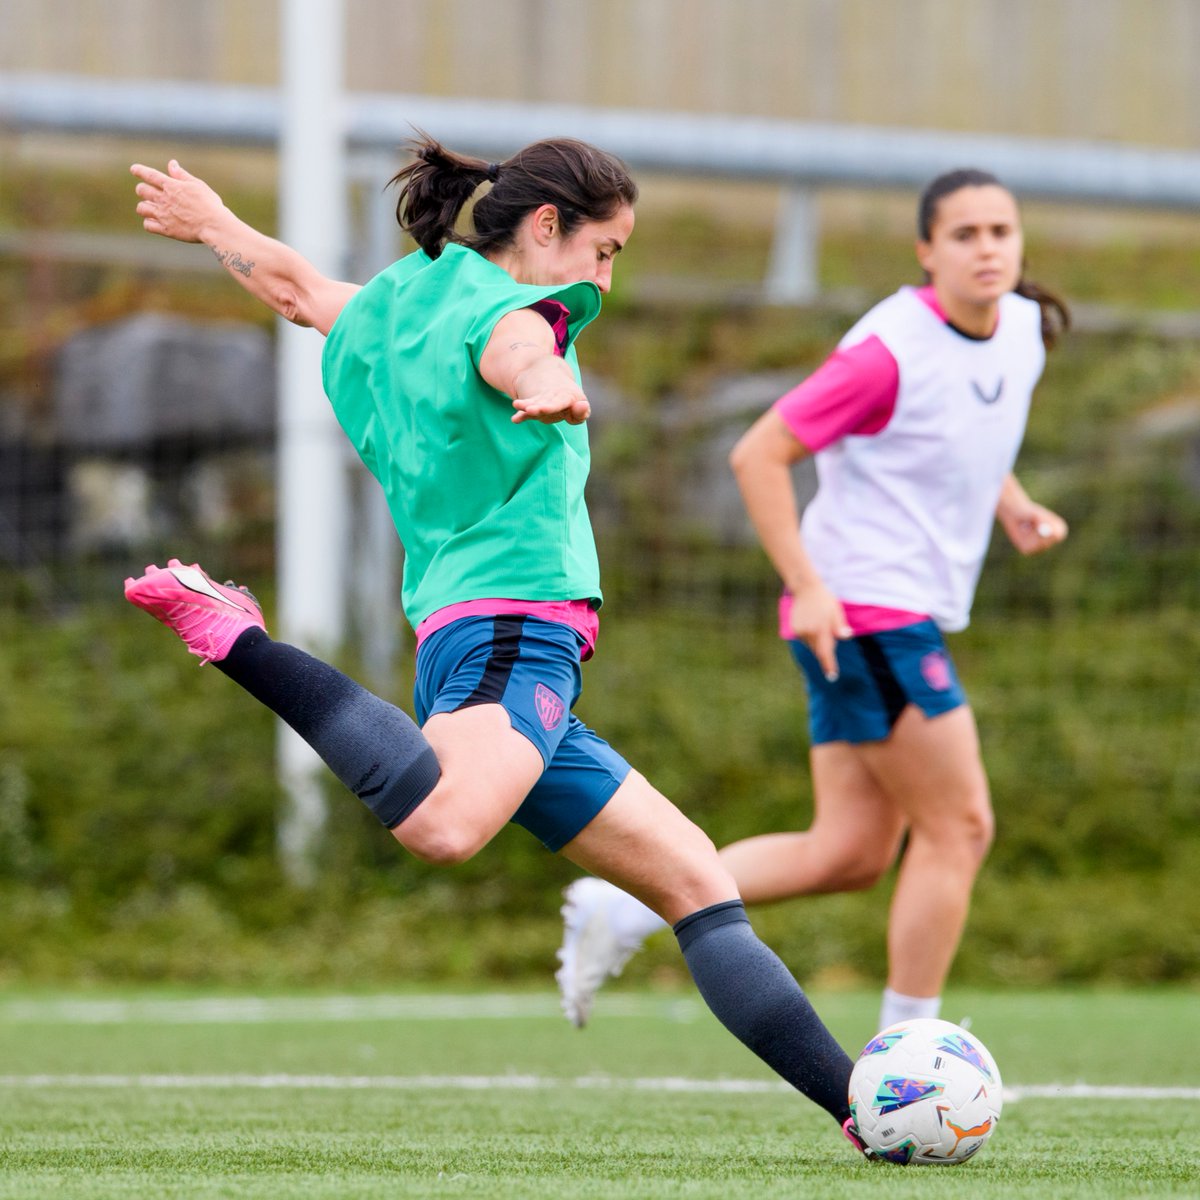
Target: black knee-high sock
[[754, 996], [372, 746]]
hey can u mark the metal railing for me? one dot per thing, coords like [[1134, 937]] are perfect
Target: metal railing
[[799, 156]]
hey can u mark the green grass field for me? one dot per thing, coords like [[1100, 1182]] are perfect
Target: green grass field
[[157, 1094]]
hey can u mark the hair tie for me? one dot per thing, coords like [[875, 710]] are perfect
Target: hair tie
[[493, 172]]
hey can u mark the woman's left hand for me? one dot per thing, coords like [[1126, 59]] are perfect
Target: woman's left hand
[[1033, 528]]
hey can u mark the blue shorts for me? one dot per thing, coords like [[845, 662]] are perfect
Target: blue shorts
[[531, 668], [880, 674]]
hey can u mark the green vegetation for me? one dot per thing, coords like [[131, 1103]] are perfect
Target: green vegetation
[[138, 1096], [137, 798]]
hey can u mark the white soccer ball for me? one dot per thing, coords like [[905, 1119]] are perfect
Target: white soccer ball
[[925, 1091]]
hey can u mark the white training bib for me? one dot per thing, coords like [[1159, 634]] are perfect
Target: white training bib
[[902, 518]]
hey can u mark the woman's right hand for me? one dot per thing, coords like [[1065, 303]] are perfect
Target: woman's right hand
[[562, 401], [819, 621], [175, 205]]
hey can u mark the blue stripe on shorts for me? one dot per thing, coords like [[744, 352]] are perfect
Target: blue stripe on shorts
[[879, 675], [530, 667]]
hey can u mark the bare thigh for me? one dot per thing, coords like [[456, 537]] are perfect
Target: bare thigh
[[855, 818], [488, 768], [931, 769], [642, 843]]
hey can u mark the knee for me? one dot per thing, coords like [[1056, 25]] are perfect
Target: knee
[[851, 857], [976, 828], [440, 843], [965, 835], [856, 870], [702, 872], [695, 879], [859, 876], [443, 848], [984, 831]]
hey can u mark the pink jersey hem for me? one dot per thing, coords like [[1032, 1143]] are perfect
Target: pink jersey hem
[[862, 618], [579, 615]]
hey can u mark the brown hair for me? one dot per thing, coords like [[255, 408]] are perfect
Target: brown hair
[[583, 182], [1056, 317]]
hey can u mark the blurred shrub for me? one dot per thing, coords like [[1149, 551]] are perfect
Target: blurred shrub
[[137, 791]]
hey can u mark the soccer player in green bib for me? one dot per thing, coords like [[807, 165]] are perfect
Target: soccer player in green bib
[[454, 375]]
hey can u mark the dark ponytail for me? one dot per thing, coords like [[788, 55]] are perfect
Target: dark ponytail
[[582, 182], [1056, 317], [433, 189]]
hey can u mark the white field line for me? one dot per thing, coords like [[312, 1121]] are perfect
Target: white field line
[[250, 1010], [497, 1006], [526, 1083]]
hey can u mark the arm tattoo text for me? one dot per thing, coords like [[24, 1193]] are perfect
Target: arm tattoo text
[[234, 261]]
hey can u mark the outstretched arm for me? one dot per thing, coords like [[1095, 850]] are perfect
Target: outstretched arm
[[762, 462], [520, 360], [1031, 527], [181, 206]]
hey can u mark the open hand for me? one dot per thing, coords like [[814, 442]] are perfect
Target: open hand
[[176, 204], [565, 403]]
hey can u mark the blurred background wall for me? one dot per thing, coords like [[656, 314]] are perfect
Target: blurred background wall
[[1122, 69]]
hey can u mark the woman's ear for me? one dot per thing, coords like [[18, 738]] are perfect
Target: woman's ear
[[544, 224]]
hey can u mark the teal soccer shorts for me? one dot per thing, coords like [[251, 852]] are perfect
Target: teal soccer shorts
[[879, 675], [531, 667]]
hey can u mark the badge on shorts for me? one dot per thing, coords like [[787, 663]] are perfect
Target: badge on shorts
[[935, 670], [550, 708]]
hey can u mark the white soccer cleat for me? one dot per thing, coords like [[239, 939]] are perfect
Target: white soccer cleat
[[591, 950]]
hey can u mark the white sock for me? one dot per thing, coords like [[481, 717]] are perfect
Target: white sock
[[631, 920], [898, 1007]]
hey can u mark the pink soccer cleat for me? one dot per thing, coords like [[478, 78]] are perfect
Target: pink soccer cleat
[[851, 1134], [209, 616]]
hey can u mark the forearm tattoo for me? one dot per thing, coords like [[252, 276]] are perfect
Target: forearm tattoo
[[234, 261]]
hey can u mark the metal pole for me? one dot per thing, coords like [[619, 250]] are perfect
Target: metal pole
[[311, 503], [376, 547], [792, 273]]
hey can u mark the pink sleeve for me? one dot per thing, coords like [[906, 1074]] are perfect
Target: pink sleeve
[[852, 392]]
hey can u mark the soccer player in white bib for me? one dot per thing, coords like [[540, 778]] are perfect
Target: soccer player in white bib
[[915, 422]]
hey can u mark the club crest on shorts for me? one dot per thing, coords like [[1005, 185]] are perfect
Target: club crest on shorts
[[550, 708], [935, 670]]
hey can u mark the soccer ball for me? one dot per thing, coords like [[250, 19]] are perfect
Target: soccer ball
[[925, 1091]]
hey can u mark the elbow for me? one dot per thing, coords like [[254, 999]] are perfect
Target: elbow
[[767, 446], [740, 458], [291, 305]]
